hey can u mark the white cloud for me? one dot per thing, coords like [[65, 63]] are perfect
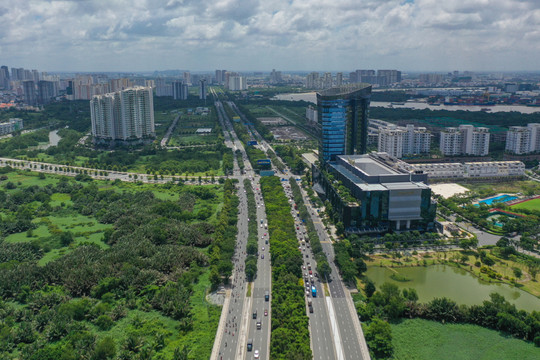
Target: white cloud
[[285, 34]]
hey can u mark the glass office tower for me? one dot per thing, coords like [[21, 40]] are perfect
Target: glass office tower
[[343, 120]]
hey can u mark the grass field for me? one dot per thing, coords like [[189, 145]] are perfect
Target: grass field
[[484, 189], [418, 339], [533, 204]]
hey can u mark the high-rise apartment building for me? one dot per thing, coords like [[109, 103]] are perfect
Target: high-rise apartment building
[[29, 88], [523, 140], [187, 78], [126, 115], [312, 81], [391, 141], [218, 79], [236, 83], [275, 77], [46, 92], [399, 141], [180, 90], [327, 81], [162, 88], [465, 140], [339, 79], [343, 120], [387, 77], [5, 81], [416, 140], [202, 89]]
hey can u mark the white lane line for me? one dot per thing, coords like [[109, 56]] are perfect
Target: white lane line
[[335, 329]]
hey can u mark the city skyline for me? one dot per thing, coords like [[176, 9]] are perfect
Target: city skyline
[[412, 35]]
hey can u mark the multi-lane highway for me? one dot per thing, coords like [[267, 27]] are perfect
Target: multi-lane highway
[[239, 324], [340, 320]]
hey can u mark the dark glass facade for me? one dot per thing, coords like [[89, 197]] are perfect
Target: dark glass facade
[[343, 119]]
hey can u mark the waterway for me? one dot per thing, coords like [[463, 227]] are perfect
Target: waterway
[[312, 97], [457, 284], [54, 139]]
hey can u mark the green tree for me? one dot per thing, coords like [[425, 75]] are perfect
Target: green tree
[[379, 339], [105, 349], [66, 238], [370, 288]]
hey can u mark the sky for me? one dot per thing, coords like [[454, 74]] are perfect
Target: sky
[[260, 35]]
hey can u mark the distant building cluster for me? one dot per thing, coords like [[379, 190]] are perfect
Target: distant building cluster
[[465, 140], [10, 126], [400, 141], [315, 81], [523, 139], [85, 87], [123, 116], [275, 77], [381, 77]]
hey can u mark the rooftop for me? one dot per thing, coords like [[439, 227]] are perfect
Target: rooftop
[[346, 90], [371, 167]]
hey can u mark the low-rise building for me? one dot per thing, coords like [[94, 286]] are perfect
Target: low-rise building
[[10, 126], [487, 169]]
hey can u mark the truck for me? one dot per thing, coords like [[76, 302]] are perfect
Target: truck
[[250, 345], [310, 306], [313, 291], [266, 296]]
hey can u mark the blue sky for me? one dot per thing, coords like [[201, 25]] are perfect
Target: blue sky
[[143, 35]]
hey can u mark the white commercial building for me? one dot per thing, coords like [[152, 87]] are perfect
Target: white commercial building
[[123, 115], [398, 141], [488, 169], [465, 140], [523, 140]]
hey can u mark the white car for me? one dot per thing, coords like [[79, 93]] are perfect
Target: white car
[[256, 354]]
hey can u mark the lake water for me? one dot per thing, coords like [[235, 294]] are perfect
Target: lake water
[[456, 284], [312, 97]]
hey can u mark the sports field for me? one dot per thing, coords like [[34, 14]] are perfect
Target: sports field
[[533, 204]]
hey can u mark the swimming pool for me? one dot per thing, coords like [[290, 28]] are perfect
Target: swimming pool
[[498, 199]]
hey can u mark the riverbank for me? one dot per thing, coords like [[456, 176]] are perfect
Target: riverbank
[[502, 271]]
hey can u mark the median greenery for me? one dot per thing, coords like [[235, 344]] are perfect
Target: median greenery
[[312, 237], [252, 248], [290, 335]]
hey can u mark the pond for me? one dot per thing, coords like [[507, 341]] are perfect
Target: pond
[[456, 284]]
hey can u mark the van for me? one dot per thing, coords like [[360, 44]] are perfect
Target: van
[[250, 345], [254, 314]]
